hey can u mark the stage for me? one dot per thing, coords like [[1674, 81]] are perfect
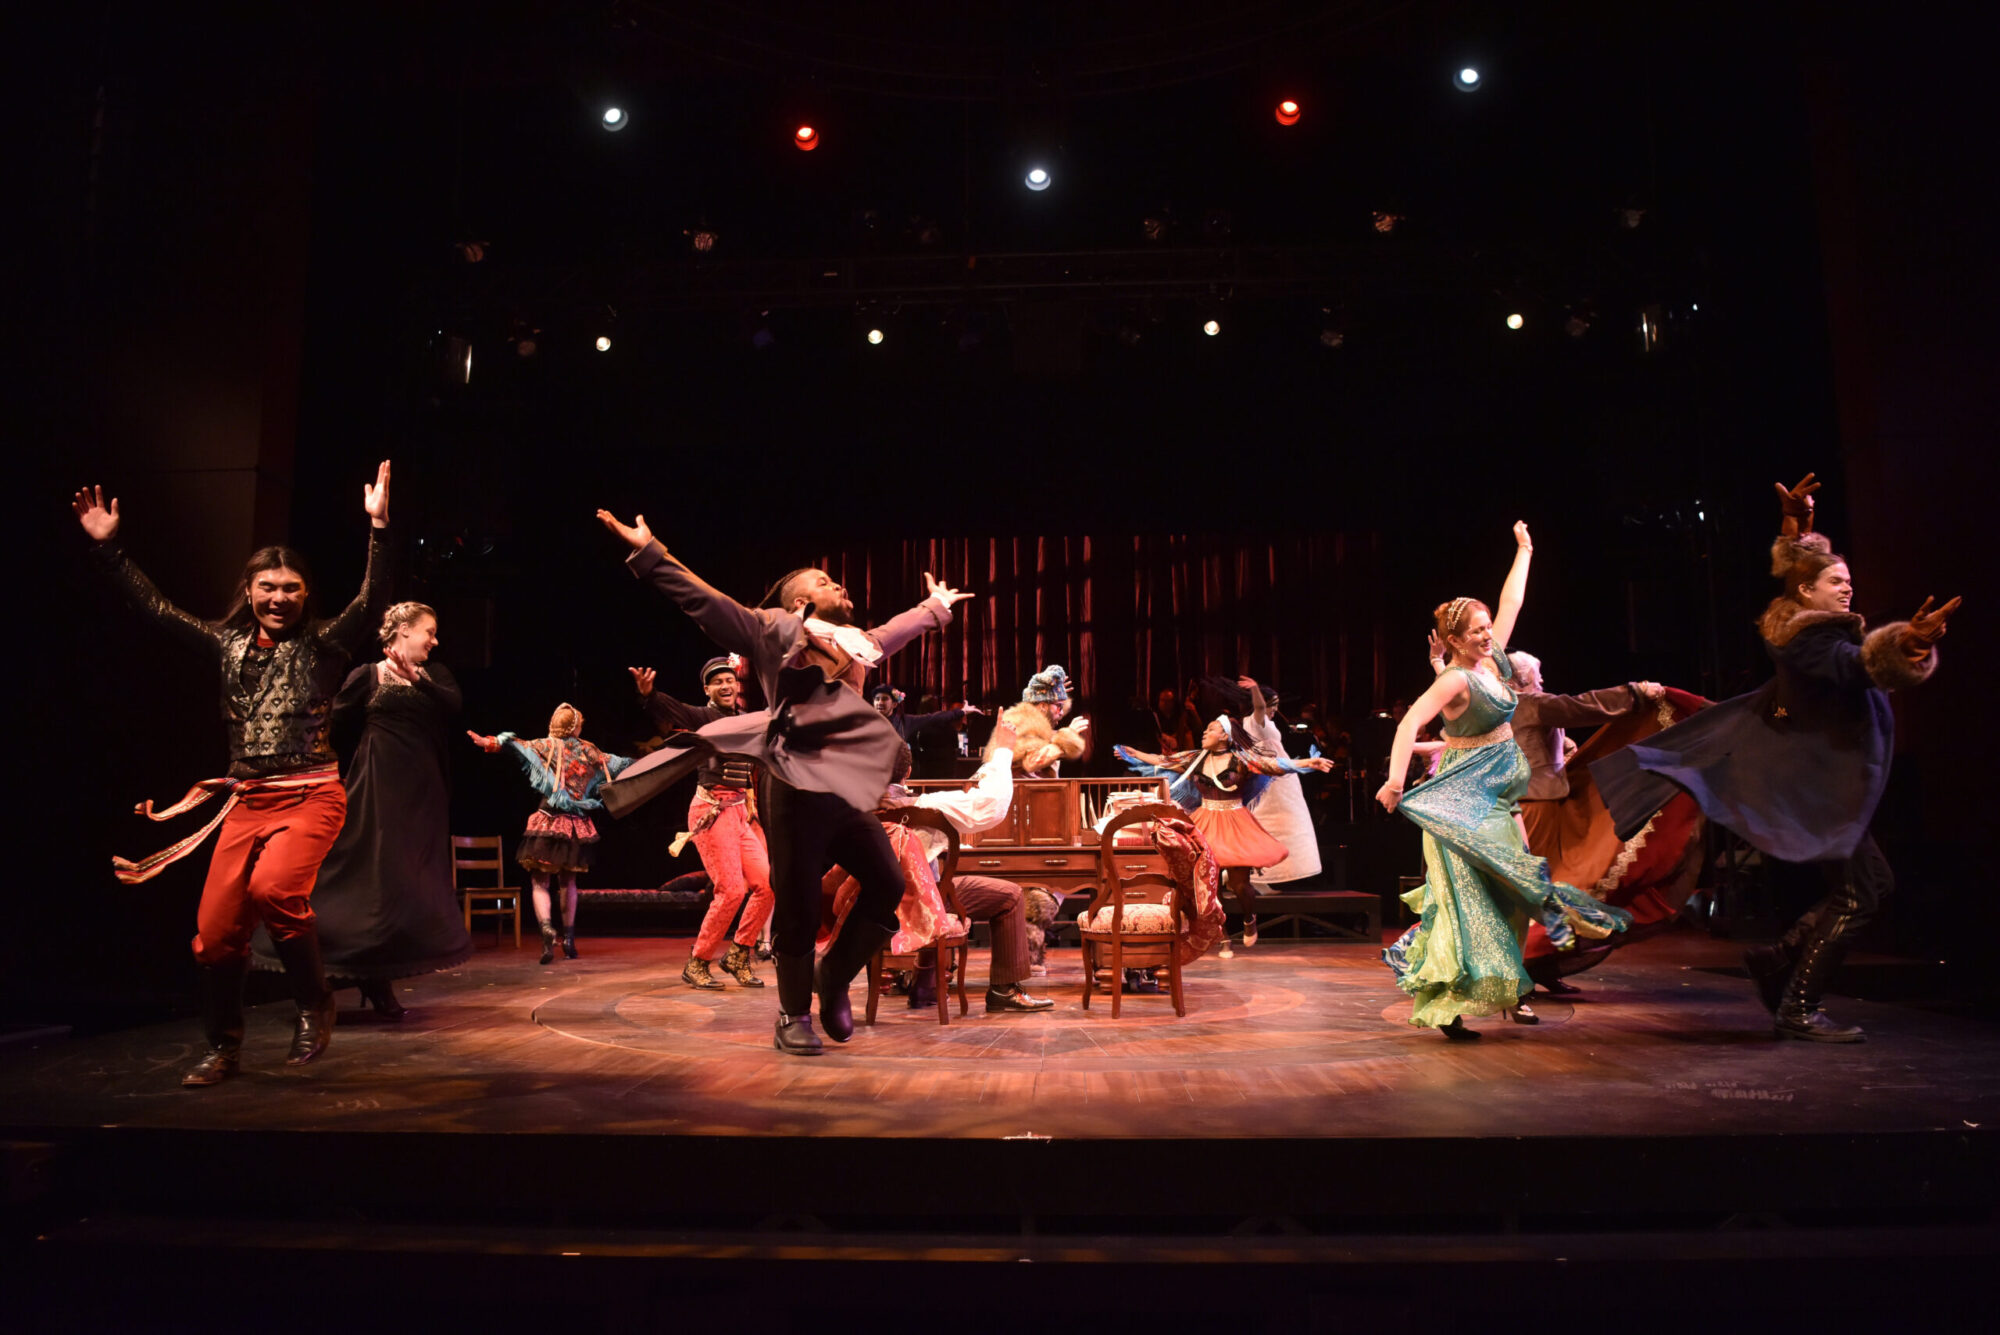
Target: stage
[[602, 1108]]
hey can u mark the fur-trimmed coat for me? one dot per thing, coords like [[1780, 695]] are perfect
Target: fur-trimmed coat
[[1795, 767], [1038, 743]]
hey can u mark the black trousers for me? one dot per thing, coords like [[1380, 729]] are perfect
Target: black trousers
[[1854, 892], [808, 832]]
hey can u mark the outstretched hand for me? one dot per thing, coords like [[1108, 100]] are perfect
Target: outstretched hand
[[944, 593], [636, 534], [967, 707], [99, 520], [1928, 625], [1320, 763], [1797, 504], [1521, 538], [400, 665], [643, 679], [488, 744], [1389, 795], [375, 496]]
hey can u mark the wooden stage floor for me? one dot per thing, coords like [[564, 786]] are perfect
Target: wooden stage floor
[[1287, 1040]]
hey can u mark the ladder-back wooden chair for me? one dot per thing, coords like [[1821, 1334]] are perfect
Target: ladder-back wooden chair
[[1135, 921], [483, 855], [952, 949]]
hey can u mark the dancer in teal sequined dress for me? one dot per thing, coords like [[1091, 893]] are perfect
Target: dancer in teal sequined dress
[[1481, 885]]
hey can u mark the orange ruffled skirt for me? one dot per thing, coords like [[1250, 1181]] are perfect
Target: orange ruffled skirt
[[1236, 838]]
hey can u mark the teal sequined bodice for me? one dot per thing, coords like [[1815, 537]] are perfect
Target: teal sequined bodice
[[1492, 702]]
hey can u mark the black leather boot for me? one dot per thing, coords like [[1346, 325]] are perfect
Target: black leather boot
[[795, 989], [849, 955], [381, 994], [568, 932], [548, 943], [1769, 967], [315, 999], [221, 1023], [1798, 1014]]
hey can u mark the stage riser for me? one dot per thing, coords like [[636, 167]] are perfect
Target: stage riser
[[1059, 1186]]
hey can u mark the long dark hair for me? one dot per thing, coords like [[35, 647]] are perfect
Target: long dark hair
[[275, 557]]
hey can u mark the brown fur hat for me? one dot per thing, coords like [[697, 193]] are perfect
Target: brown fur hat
[[1038, 743]]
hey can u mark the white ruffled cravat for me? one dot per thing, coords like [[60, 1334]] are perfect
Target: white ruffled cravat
[[858, 646]]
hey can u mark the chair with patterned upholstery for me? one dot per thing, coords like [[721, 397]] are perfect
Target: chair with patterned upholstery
[[952, 947], [1134, 922]]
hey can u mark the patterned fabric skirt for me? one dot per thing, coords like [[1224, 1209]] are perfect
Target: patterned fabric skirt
[[1236, 837], [555, 842]]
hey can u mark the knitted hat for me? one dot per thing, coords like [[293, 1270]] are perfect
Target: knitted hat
[[1050, 686], [724, 663]]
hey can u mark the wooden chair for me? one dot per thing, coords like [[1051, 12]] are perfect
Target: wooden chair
[[1135, 921], [483, 853], [950, 951]]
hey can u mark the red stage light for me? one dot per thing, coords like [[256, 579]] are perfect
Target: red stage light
[[806, 138], [1288, 112]]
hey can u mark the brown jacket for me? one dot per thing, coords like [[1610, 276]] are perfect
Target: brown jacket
[[1539, 720], [818, 734]]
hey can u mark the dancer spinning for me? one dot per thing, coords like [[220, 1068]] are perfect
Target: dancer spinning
[[1214, 783], [284, 801], [722, 822], [826, 754], [384, 899], [1481, 884], [561, 837], [1796, 767]]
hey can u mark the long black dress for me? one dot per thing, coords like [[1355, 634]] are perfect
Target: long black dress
[[384, 900]]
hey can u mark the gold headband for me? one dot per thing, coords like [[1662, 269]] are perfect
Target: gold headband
[[1458, 606]]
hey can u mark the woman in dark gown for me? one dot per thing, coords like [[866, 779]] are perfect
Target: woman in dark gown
[[385, 901]]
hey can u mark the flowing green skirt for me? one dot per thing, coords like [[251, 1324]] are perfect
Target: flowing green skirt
[[1481, 888]]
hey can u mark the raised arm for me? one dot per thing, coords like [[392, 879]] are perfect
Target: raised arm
[[729, 623], [1260, 710], [1514, 590], [100, 520], [352, 630], [1428, 706], [933, 612]]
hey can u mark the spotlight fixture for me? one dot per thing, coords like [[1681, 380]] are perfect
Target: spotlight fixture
[[1630, 218], [1467, 79], [1331, 338], [604, 342], [1515, 321], [875, 336], [615, 119], [1038, 178], [702, 239], [1154, 228], [1287, 112], [525, 338], [1385, 223], [1650, 319], [1577, 325], [805, 139], [1212, 328]]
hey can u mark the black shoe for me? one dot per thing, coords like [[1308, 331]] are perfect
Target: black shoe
[[1798, 1014], [548, 945], [221, 1022], [569, 942], [922, 991], [380, 995], [849, 955], [317, 1010], [1556, 987], [795, 1035], [1523, 1013], [1015, 998], [1142, 982], [1814, 1027], [1457, 1032]]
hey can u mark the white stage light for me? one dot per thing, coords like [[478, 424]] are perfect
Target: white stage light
[[1038, 178], [604, 343], [1467, 79], [874, 336], [1212, 328], [615, 119], [1515, 321]]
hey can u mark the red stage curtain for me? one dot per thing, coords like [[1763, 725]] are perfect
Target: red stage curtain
[[1129, 615]]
